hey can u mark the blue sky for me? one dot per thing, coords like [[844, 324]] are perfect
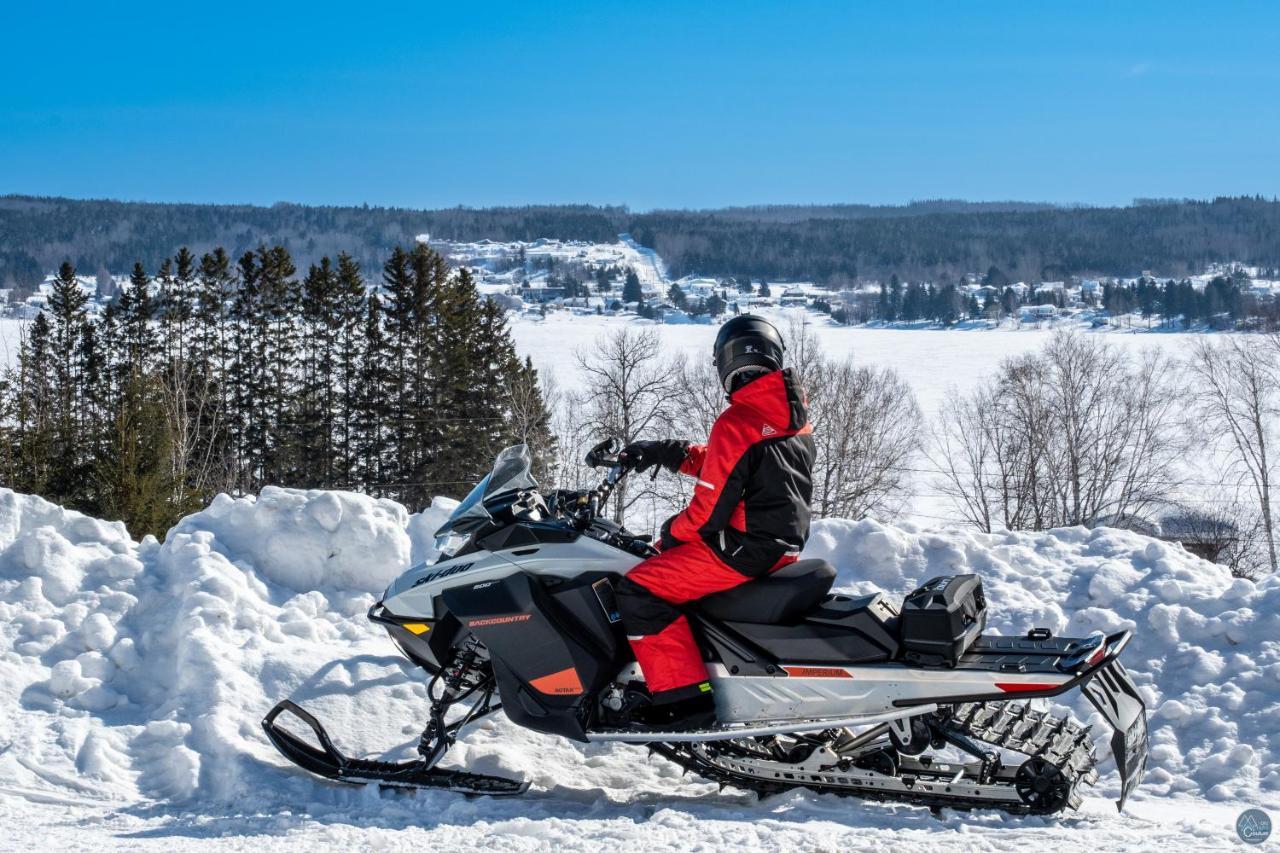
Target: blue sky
[[647, 104]]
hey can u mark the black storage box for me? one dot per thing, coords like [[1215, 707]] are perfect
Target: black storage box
[[941, 619]]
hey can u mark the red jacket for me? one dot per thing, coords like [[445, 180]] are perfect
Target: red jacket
[[754, 478]]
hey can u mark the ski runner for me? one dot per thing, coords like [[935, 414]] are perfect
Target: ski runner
[[749, 516]]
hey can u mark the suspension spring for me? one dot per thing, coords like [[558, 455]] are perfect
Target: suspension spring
[[465, 671]]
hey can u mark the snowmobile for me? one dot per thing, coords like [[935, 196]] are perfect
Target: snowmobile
[[859, 696]]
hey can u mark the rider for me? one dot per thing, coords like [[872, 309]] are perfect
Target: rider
[[749, 516]]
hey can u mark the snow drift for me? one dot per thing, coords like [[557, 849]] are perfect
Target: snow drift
[[139, 672]]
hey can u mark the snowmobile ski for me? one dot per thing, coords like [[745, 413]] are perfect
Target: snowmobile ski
[[328, 761]]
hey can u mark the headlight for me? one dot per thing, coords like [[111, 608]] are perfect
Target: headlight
[[450, 543]]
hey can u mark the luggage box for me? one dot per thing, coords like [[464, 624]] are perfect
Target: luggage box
[[940, 620]]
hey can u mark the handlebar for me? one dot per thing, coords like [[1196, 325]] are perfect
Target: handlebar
[[605, 455]]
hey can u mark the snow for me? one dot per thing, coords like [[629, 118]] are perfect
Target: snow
[[134, 675], [931, 360]]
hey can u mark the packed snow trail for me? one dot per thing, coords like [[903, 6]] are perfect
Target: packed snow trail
[[134, 675]]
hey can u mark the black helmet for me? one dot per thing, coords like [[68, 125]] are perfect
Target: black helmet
[[746, 343]]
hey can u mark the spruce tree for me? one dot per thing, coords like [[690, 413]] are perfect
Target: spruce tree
[[631, 291], [181, 305], [34, 409], [350, 314], [280, 294], [246, 422], [215, 288], [166, 312], [369, 437], [317, 376], [137, 310], [67, 308], [400, 376]]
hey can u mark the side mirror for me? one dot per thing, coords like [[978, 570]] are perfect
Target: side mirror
[[600, 455]]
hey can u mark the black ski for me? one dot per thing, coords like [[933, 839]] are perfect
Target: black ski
[[326, 760]]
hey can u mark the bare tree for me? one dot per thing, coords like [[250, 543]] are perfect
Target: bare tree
[[194, 425], [867, 431], [631, 393], [1078, 433], [1238, 396], [974, 445], [866, 428]]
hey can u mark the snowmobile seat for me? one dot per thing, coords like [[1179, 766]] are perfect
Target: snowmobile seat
[[786, 595]]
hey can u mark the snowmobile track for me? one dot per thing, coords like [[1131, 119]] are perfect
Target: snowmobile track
[[1057, 749]]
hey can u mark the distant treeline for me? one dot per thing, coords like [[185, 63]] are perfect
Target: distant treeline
[[227, 375], [832, 244], [1225, 302]]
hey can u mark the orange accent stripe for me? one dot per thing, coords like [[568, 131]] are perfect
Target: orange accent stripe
[[816, 672], [1019, 687], [562, 683]]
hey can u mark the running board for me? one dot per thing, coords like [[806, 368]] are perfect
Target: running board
[[785, 727]]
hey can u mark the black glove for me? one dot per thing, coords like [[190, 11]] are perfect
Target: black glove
[[643, 455]]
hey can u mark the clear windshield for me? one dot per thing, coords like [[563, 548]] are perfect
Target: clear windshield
[[512, 470]]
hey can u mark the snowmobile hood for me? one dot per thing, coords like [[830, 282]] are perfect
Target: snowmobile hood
[[776, 397]]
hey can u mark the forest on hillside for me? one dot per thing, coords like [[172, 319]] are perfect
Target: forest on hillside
[[830, 244]]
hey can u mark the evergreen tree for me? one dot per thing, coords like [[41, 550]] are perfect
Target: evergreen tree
[[247, 377], [34, 409], [137, 310], [530, 421], [370, 434], [631, 291], [67, 308], [995, 277], [350, 313], [132, 469], [315, 401], [676, 295], [280, 295], [166, 311], [180, 308], [215, 290]]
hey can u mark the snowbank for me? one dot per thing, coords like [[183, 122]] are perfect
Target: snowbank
[[1206, 647], [139, 672]]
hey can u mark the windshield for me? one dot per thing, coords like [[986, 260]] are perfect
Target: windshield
[[512, 470]]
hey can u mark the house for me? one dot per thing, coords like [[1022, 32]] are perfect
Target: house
[[1038, 312], [541, 294]]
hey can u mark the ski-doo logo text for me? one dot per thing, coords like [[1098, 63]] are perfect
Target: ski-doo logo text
[[499, 620], [442, 573]]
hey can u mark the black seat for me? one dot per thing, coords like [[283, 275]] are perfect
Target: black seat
[[787, 594]]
